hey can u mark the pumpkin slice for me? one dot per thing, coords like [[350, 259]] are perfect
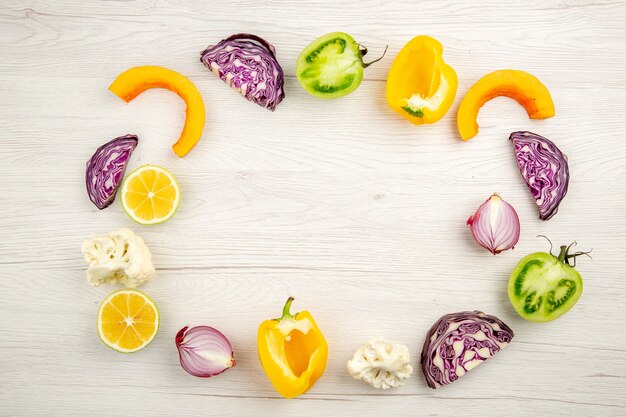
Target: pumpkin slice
[[521, 86], [135, 81]]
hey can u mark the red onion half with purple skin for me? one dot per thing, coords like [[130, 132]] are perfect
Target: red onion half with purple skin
[[204, 351], [495, 225], [106, 167], [248, 64], [544, 168], [459, 342]]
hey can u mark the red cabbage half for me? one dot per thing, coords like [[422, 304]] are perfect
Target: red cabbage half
[[459, 342], [105, 169], [544, 168], [248, 64]]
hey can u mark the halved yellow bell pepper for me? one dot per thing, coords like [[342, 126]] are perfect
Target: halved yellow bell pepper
[[293, 351], [521, 86], [420, 85], [135, 81]]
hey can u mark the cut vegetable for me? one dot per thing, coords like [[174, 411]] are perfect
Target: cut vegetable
[[459, 342], [248, 64], [420, 86], [150, 195], [293, 351], [381, 364], [544, 168], [105, 169], [331, 66], [495, 225], [204, 351], [521, 86], [543, 287], [118, 257], [135, 81], [128, 320]]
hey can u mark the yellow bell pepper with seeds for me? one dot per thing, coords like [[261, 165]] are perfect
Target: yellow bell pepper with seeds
[[420, 85], [293, 351]]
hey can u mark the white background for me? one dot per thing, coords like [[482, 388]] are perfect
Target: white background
[[342, 204]]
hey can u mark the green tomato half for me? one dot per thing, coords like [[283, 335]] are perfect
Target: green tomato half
[[331, 66], [542, 287]]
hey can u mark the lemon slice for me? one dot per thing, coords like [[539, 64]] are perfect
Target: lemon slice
[[128, 320], [150, 195]]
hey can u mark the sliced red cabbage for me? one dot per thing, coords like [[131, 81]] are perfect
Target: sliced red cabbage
[[248, 64], [105, 169], [459, 342], [544, 168]]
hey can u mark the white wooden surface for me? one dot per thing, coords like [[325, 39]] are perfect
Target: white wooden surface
[[342, 204]]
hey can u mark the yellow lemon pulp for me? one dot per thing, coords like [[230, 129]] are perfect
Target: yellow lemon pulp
[[150, 195], [127, 321]]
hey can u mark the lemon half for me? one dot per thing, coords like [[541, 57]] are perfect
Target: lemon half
[[150, 195], [128, 320]]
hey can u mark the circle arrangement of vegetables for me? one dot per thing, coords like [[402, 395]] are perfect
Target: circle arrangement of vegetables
[[421, 87]]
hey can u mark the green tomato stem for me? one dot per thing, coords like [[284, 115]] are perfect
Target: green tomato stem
[[563, 255], [364, 51]]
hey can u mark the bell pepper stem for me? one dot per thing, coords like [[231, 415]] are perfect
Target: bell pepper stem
[[286, 313], [287, 307]]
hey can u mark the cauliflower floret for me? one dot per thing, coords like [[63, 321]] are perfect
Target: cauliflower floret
[[381, 364], [120, 256]]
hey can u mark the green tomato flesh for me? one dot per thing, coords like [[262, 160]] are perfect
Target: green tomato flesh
[[331, 66], [542, 288]]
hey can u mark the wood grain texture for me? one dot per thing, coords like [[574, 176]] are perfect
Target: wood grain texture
[[342, 204]]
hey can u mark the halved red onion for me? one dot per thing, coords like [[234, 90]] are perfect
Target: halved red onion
[[495, 225], [204, 351], [544, 168]]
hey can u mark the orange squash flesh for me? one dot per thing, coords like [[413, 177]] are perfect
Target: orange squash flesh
[[521, 86], [135, 81]]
